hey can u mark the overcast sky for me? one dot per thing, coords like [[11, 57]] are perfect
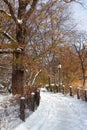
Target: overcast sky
[[79, 14]]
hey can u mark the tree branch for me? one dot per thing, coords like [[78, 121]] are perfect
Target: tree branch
[[76, 1], [6, 51], [3, 11], [21, 9], [5, 68], [30, 11], [33, 82], [8, 36], [11, 10], [68, 1]]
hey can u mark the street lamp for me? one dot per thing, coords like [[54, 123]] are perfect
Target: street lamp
[[59, 71]]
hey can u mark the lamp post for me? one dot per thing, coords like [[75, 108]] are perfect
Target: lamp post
[[59, 71]]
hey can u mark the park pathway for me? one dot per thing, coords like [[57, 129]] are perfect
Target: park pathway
[[57, 112]]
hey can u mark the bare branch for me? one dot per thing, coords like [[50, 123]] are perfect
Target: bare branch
[[68, 1], [4, 67], [8, 36], [11, 10], [7, 14], [33, 82], [21, 9], [83, 5], [6, 51], [25, 2], [31, 10], [76, 1]]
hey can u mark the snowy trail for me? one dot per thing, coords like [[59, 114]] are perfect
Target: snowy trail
[[57, 112]]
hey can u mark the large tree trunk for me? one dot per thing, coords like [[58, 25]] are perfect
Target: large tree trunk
[[17, 81], [18, 67], [18, 72], [21, 34]]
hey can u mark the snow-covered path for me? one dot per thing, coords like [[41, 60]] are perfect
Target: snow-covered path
[[57, 112]]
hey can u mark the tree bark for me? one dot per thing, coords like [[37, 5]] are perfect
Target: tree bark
[[18, 72]]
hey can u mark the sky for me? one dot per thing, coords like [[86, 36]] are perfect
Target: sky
[[79, 14]]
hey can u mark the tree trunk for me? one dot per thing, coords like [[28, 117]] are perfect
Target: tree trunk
[[83, 73], [21, 33], [18, 67], [18, 72]]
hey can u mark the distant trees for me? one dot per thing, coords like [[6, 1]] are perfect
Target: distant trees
[[70, 66], [80, 45], [68, 58]]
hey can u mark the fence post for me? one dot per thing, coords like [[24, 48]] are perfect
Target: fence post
[[70, 88], [78, 93], [85, 95], [22, 108], [37, 97], [32, 101]]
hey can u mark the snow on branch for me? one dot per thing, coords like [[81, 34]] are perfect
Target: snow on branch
[[3, 11], [20, 21], [5, 68], [11, 10], [33, 82], [6, 51], [8, 36]]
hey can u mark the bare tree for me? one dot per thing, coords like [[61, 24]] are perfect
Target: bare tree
[[79, 45]]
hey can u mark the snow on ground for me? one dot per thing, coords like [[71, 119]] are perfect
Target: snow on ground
[[9, 112], [4, 99], [5, 96], [9, 117], [57, 112]]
